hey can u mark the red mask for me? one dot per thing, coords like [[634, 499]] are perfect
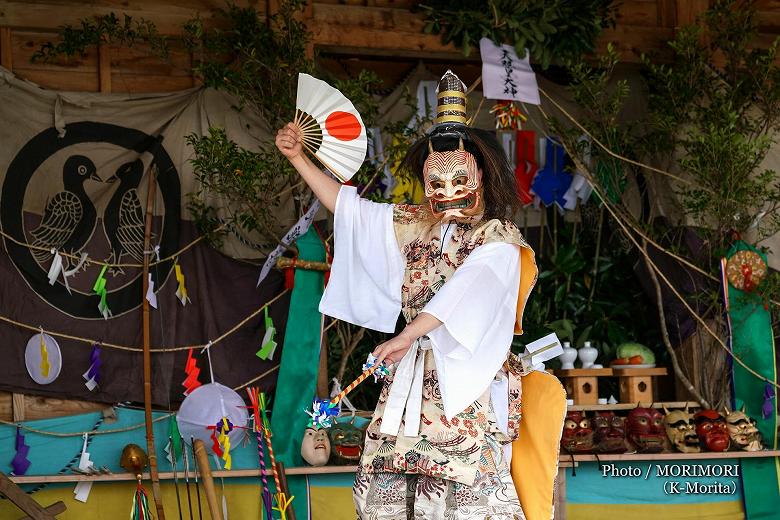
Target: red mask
[[645, 430], [609, 433], [712, 430], [577, 433]]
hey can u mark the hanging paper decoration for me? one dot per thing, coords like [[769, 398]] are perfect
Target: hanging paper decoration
[[191, 382], [332, 128], [505, 75], [552, 182], [745, 270], [92, 375], [222, 447], [100, 289], [43, 358], [20, 463], [83, 488], [151, 296], [181, 289], [508, 116], [580, 188], [300, 227], [205, 407], [56, 269], [268, 346], [173, 448], [526, 165], [768, 408]]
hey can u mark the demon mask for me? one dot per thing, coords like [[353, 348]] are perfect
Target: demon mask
[[315, 447], [453, 183], [743, 431], [347, 442], [711, 429], [645, 430], [681, 431], [577, 433], [609, 433]]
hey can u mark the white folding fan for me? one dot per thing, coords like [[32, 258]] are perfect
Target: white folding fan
[[332, 129]]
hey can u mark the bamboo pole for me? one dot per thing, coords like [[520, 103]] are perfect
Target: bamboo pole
[[150, 195], [202, 460]]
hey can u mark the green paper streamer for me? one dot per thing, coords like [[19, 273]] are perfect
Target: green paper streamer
[[753, 342], [269, 346], [173, 433], [100, 290], [300, 356]]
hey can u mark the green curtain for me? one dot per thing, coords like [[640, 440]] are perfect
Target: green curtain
[[753, 342], [297, 381]]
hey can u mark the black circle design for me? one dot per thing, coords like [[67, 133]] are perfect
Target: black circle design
[[21, 170]]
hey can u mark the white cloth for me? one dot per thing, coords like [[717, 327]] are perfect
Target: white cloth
[[406, 392], [476, 305], [367, 270]]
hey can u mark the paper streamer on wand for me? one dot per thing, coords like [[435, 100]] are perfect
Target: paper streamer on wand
[[300, 227]]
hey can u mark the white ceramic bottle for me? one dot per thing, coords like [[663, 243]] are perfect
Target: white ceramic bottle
[[588, 355], [568, 357]]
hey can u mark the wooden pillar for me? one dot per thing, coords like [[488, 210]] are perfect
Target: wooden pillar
[[17, 407], [104, 68], [6, 51], [688, 10]]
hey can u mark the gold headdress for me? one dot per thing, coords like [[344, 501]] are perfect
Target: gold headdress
[[451, 100]]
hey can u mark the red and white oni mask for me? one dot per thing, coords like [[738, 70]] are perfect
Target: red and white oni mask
[[453, 183]]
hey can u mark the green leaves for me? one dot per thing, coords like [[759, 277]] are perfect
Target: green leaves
[[553, 30]]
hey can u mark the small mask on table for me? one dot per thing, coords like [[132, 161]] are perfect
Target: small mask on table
[[743, 431], [712, 430], [681, 431], [609, 434], [577, 434], [645, 430], [347, 442], [315, 447]]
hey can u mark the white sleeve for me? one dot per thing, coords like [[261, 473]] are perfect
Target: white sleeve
[[477, 307], [364, 286]]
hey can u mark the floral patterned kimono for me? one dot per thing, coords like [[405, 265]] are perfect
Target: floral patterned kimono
[[435, 446]]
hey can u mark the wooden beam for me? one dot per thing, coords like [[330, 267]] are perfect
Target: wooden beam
[[6, 49], [104, 68], [54, 509], [38, 407], [22, 500]]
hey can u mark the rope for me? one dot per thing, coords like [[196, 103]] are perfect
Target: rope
[[139, 349], [100, 262], [79, 434]]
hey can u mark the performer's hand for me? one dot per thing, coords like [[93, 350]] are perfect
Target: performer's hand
[[394, 349], [288, 141]]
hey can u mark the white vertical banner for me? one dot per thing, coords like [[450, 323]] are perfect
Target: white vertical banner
[[505, 75]]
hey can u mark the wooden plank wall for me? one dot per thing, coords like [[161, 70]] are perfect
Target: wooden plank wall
[[368, 29]]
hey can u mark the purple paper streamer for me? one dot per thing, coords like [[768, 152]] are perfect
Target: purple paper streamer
[[94, 360], [266, 491], [20, 462], [768, 409]]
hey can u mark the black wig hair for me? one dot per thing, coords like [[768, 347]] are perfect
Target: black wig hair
[[498, 180]]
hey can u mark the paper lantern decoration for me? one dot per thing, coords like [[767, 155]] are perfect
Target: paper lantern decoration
[[43, 358], [205, 407], [332, 128], [745, 270]]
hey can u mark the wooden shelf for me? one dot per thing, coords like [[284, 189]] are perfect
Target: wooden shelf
[[565, 462], [675, 456], [583, 372], [630, 406]]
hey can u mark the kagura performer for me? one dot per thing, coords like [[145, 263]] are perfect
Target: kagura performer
[[438, 446]]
